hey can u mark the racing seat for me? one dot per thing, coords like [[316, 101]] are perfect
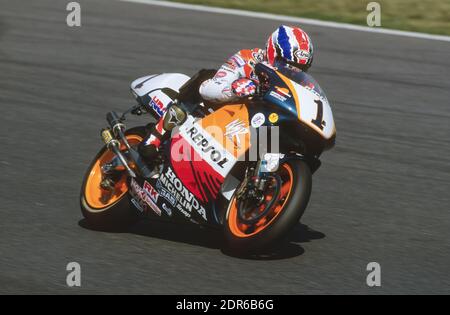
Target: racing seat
[[189, 96]]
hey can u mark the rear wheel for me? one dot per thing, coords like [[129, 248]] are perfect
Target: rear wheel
[[250, 229], [106, 208]]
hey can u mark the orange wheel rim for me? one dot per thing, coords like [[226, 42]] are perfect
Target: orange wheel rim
[[240, 229], [98, 198]]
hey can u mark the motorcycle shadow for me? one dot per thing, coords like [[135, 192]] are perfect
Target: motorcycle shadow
[[290, 248], [213, 239]]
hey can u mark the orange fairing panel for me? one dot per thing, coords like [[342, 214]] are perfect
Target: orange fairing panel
[[229, 126], [207, 149]]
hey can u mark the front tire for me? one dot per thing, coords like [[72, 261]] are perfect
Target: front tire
[[244, 238], [117, 210]]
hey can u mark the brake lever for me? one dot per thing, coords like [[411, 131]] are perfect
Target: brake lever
[[264, 83]]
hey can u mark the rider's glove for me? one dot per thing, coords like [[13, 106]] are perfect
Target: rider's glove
[[244, 87]]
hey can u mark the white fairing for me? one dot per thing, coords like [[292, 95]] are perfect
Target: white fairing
[[309, 110], [149, 85]]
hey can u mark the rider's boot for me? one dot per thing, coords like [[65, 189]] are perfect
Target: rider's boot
[[149, 147]]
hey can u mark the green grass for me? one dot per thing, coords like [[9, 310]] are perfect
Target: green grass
[[427, 16]]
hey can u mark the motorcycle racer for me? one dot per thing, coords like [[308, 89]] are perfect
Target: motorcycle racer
[[236, 78]]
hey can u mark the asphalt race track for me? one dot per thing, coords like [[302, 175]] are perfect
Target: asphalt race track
[[381, 195]]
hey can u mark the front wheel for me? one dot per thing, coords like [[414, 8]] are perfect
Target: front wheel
[[104, 208], [254, 230]]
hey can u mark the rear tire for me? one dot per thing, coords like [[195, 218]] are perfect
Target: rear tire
[[280, 226], [118, 214]]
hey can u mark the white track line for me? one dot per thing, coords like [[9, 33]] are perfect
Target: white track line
[[286, 18]]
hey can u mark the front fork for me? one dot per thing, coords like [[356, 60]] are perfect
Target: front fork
[[114, 145], [256, 178], [112, 137], [259, 179]]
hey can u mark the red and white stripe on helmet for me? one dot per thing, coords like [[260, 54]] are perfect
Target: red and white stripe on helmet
[[291, 44]]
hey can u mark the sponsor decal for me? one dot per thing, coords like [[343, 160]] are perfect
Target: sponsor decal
[[151, 192], [167, 209], [146, 195], [273, 118], [184, 212], [281, 94], [220, 74], [202, 142], [227, 91], [258, 56], [229, 66], [233, 131], [157, 105], [258, 120], [310, 87], [166, 194], [141, 84], [271, 161], [302, 54], [137, 205], [277, 96], [283, 91], [237, 60], [209, 149], [186, 202], [174, 118]]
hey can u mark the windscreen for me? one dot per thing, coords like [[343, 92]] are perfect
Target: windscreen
[[300, 77]]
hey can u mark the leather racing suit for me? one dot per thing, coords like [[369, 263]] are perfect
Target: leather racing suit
[[234, 79]]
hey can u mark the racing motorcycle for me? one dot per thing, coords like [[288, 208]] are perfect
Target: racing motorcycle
[[242, 167]]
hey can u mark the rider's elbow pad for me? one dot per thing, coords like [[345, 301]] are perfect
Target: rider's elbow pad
[[216, 91]]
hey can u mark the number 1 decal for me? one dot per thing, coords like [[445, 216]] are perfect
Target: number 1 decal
[[318, 121]]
